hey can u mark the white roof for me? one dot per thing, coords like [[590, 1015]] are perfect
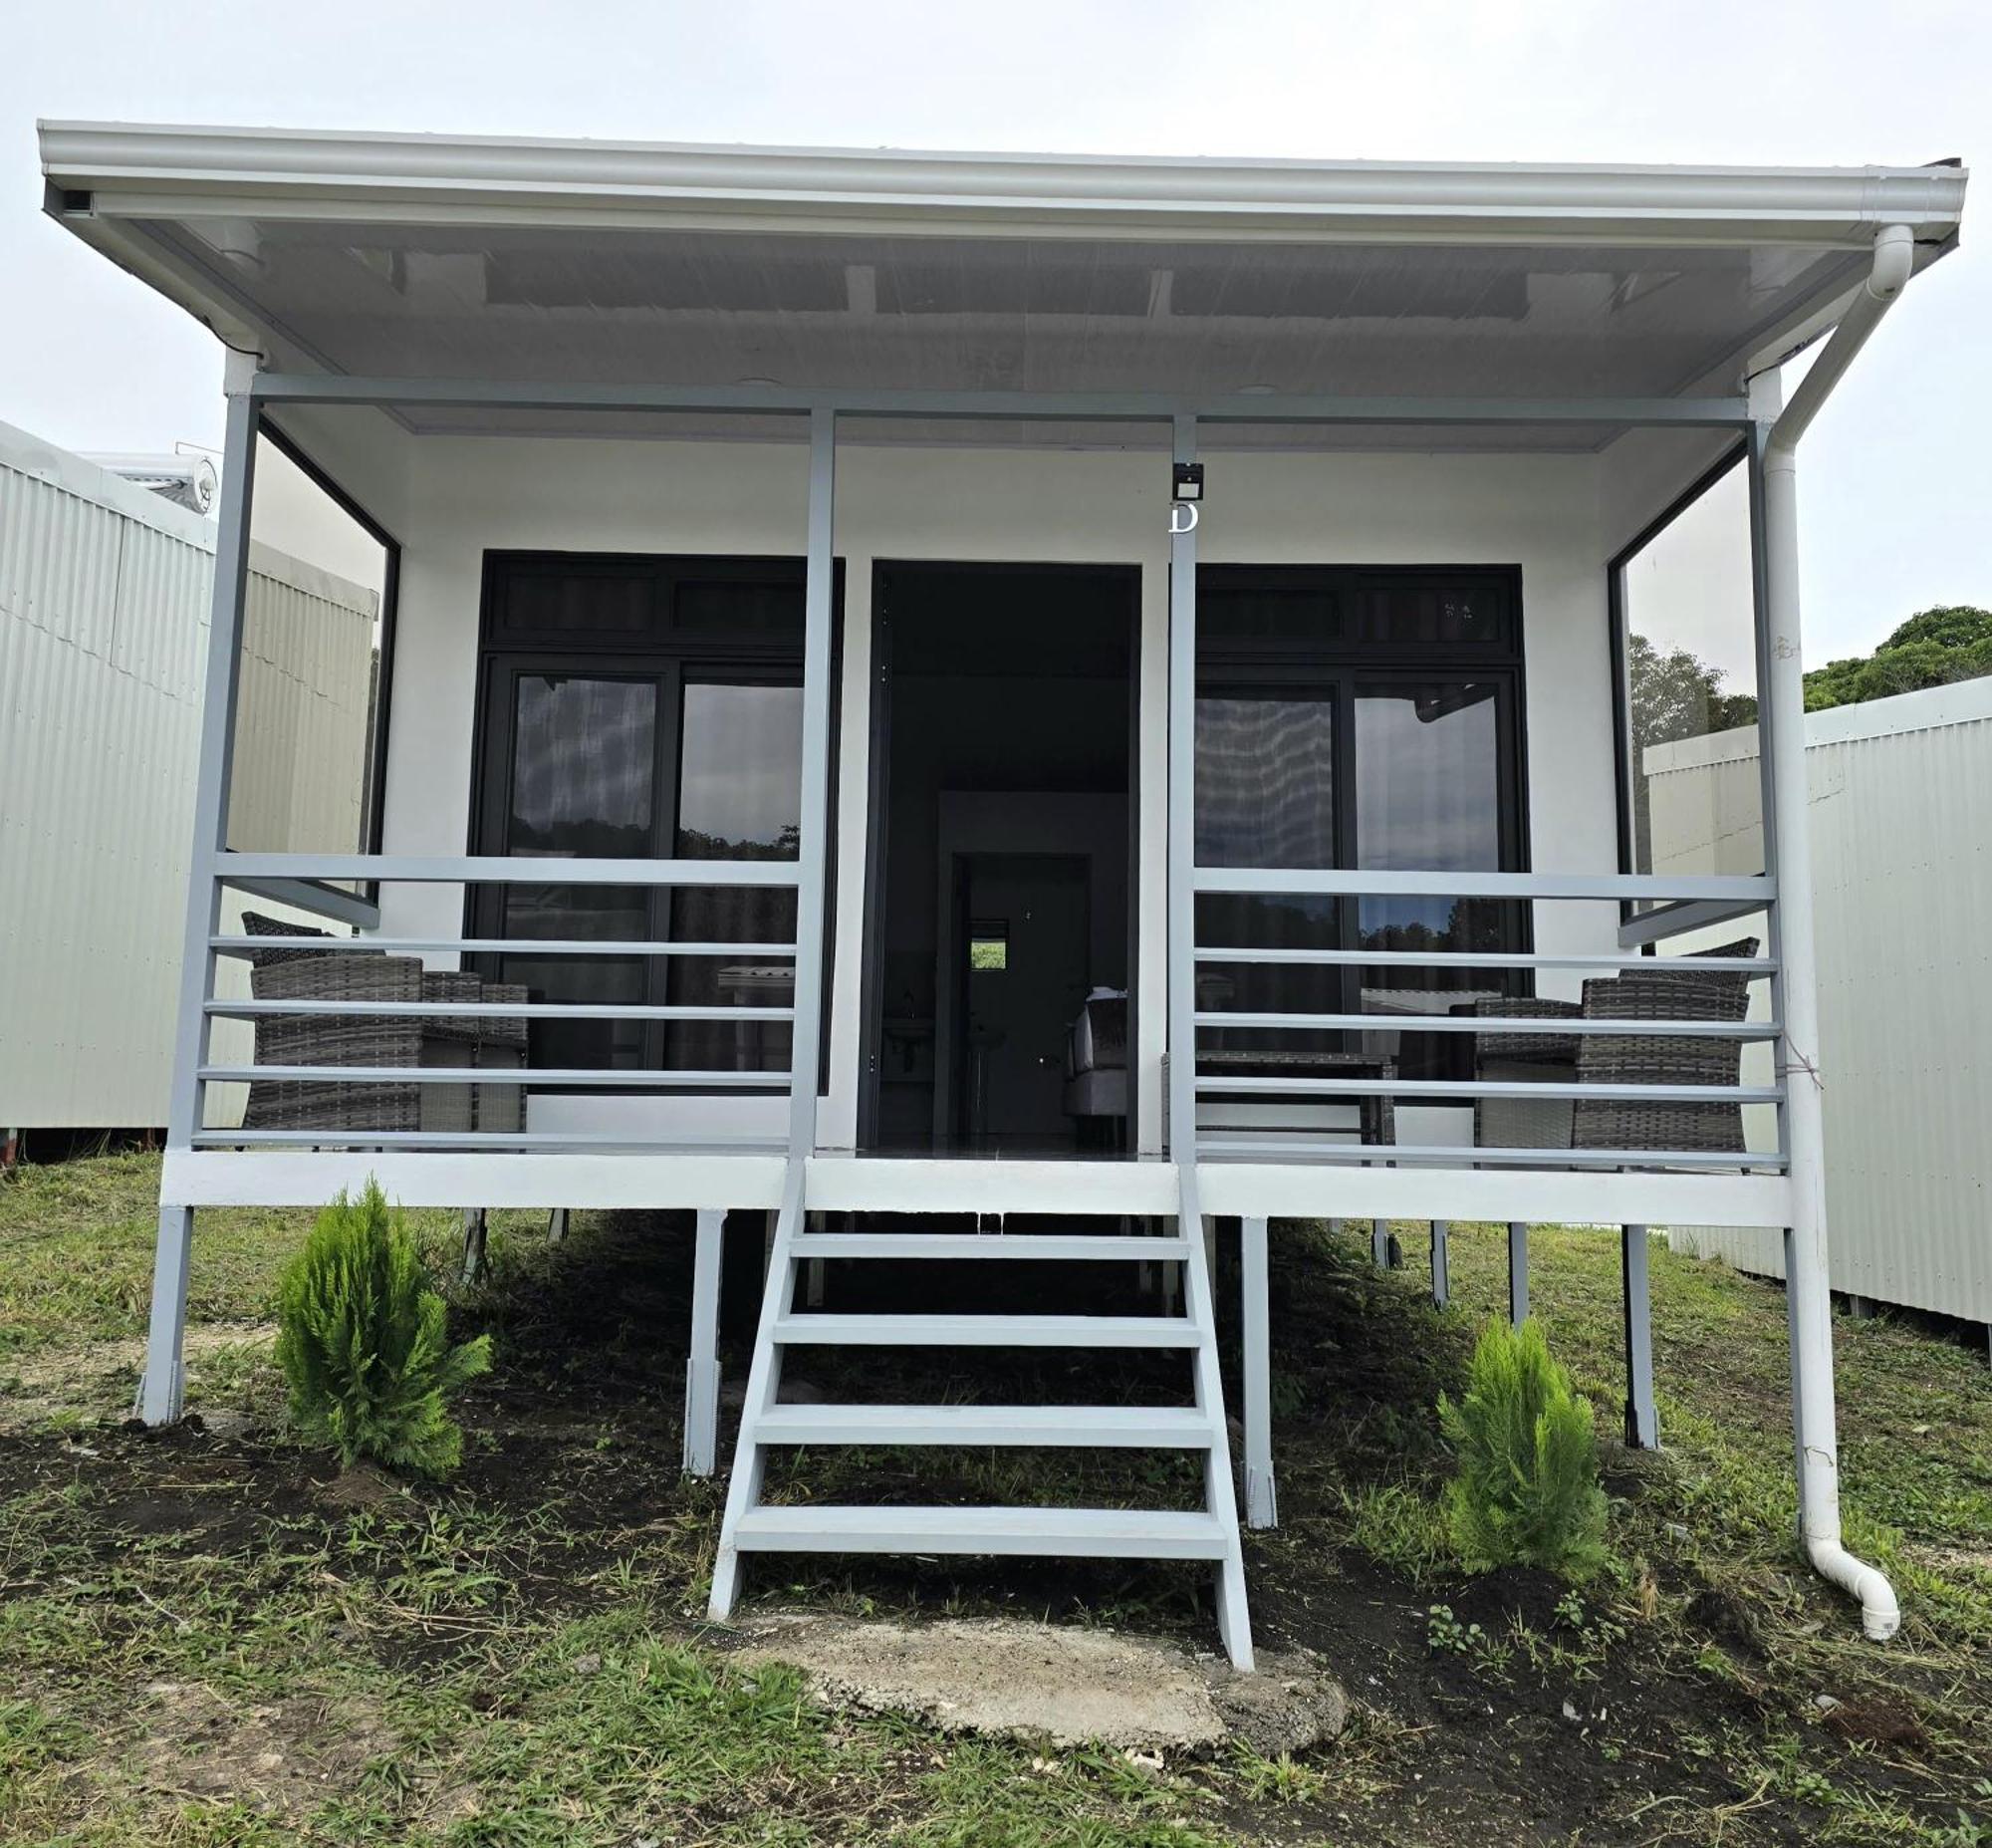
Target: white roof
[[452, 256]]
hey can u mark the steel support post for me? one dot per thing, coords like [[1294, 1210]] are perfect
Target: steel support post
[[1441, 1269], [1518, 1272], [701, 1416], [1642, 1419], [1262, 1504], [160, 1393], [819, 581]]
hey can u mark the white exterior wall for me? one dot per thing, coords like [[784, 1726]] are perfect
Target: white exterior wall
[[103, 615], [1901, 830], [464, 495]]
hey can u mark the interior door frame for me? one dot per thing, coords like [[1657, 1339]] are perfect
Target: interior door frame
[[1123, 580], [1054, 825]]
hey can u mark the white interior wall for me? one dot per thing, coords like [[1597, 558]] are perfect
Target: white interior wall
[[1543, 513]]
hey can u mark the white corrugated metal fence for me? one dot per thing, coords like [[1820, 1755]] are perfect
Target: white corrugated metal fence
[[104, 610]]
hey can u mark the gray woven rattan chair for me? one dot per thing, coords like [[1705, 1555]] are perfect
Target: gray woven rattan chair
[[1661, 993], [1524, 1058], [299, 973]]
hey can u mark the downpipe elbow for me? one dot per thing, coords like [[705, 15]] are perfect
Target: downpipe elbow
[[1880, 1614], [1895, 262]]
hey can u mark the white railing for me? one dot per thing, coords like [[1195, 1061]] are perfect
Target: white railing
[[307, 881], [1291, 1099]]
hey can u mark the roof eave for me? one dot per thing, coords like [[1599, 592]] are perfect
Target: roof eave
[[161, 170]]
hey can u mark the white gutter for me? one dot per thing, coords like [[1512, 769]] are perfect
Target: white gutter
[[167, 170], [1808, 1272]]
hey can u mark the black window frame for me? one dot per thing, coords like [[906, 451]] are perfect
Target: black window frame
[[1338, 664], [1618, 619], [373, 794], [664, 654]]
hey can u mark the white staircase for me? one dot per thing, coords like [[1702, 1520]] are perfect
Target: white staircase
[[1062, 1532]]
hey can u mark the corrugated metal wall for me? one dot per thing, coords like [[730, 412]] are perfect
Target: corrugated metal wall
[[1901, 828], [103, 609]]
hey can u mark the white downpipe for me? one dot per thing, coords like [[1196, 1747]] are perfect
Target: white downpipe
[[1807, 1267]]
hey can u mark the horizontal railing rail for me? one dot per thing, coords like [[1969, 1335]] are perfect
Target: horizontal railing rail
[[1486, 959], [497, 1010], [1337, 883], [506, 870], [1492, 1023], [534, 945], [325, 1091], [1274, 1096]]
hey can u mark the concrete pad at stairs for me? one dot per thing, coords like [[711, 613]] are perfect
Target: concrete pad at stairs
[[1036, 1680]]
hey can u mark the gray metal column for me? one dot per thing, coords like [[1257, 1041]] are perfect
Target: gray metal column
[[1262, 1504], [819, 579], [160, 1392], [701, 1416], [1441, 1269], [1182, 836], [1518, 1272], [476, 1228], [1380, 1243], [1642, 1419]]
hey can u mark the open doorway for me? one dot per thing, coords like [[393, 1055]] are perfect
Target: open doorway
[[1000, 939]]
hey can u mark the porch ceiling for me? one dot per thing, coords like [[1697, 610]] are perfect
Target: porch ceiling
[[596, 263]]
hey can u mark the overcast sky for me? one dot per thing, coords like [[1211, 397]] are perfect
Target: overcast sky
[[1897, 474]]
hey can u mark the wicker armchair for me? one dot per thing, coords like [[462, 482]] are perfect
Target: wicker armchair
[[1524, 1058], [285, 972], [1661, 993]]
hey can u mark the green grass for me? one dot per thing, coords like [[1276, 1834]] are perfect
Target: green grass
[[199, 1652]]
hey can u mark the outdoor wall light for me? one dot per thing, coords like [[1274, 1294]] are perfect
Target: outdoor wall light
[[1189, 481]]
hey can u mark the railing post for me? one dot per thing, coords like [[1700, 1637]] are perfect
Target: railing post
[[806, 1032], [160, 1391], [1183, 822]]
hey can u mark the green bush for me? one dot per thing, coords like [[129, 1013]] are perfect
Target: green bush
[[1526, 1492], [362, 1343]]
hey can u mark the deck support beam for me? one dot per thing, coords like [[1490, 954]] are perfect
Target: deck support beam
[[1642, 1419], [1262, 1505], [1441, 1266], [1518, 1272], [701, 1413]]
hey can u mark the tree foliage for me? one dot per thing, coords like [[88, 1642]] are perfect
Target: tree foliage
[[1933, 649], [363, 1341], [1526, 1492]]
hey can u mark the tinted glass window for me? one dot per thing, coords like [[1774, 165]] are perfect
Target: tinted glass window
[[1413, 611], [739, 798], [1265, 781], [584, 785]]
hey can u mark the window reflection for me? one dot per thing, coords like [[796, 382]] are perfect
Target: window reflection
[[1428, 798], [584, 775], [739, 798]]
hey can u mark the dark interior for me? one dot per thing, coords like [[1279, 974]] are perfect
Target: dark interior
[[999, 885]]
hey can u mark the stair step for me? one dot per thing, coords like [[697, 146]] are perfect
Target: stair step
[[1083, 1533], [1058, 1245], [986, 1331], [1179, 1427]]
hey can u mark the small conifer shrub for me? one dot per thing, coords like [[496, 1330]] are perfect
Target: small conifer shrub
[[361, 1340], [1526, 1492]]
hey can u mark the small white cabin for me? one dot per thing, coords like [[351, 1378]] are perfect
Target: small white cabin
[[935, 687]]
